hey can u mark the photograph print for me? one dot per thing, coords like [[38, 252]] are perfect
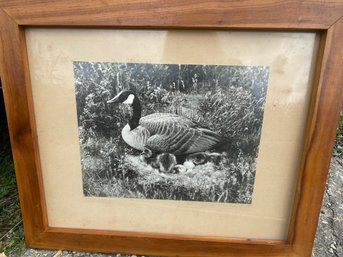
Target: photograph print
[[169, 131]]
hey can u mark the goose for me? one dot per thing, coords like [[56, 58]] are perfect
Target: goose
[[166, 162], [217, 158], [164, 132], [198, 158]]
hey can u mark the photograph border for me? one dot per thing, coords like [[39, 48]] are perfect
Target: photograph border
[[325, 18]]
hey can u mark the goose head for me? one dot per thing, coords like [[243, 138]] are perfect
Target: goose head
[[166, 162], [129, 97], [125, 96]]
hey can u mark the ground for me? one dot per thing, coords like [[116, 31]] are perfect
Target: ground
[[329, 237]]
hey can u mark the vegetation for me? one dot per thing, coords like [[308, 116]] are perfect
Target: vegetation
[[226, 99], [338, 148], [11, 230]]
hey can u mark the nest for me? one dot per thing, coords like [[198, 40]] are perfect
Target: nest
[[201, 177]]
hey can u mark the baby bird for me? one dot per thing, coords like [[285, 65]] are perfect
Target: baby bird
[[216, 158], [197, 158], [166, 162]]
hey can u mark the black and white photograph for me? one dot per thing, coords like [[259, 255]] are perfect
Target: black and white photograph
[[169, 131]]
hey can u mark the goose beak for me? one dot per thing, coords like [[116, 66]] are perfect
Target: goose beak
[[114, 100]]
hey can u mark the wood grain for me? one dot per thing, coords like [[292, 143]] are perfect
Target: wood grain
[[326, 104], [167, 245], [322, 16], [290, 14], [21, 124]]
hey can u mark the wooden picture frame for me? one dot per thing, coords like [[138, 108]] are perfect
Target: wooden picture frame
[[324, 17]]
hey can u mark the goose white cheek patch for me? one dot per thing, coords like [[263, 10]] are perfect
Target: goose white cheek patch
[[129, 100]]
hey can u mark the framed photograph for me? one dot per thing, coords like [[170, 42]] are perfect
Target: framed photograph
[[172, 129]]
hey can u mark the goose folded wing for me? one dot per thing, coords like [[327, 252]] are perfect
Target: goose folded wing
[[156, 123], [181, 140]]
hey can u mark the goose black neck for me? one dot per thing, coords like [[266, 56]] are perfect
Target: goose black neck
[[136, 113]]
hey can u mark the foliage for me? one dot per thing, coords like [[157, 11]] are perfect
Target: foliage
[[11, 230], [338, 148], [112, 175], [226, 99], [238, 120]]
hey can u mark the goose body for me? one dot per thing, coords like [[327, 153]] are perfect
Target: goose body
[[135, 138], [164, 132]]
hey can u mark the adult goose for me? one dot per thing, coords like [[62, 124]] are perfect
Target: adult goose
[[164, 132]]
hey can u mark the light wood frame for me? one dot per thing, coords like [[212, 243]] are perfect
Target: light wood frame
[[324, 17]]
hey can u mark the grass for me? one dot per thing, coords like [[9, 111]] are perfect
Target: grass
[[338, 148], [112, 169], [11, 229], [206, 182]]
